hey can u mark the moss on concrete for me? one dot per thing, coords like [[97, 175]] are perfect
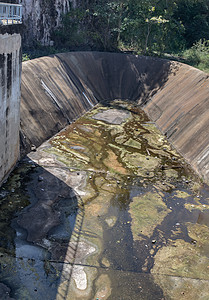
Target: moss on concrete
[[187, 263], [183, 259], [170, 173], [141, 161], [147, 212], [133, 143], [182, 288], [181, 194]]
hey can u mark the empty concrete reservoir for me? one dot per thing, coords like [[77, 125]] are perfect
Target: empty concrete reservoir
[[115, 206]]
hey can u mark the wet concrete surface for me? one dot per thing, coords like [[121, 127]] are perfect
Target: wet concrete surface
[[106, 209]]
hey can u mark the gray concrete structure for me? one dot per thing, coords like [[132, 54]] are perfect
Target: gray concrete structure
[[10, 77]]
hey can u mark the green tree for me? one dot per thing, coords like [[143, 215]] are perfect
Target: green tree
[[107, 19], [146, 26], [194, 15], [149, 26], [98, 24]]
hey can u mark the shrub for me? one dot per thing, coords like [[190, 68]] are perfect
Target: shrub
[[198, 55]]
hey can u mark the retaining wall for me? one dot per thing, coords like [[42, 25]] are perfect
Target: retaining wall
[[10, 77]]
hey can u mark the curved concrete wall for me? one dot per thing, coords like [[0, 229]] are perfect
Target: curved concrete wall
[[58, 89], [181, 111]]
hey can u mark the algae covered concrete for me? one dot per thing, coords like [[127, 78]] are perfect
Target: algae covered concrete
[[106, 209]]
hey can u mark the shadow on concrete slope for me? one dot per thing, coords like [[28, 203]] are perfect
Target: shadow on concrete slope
[[118, 76], [47, 233]]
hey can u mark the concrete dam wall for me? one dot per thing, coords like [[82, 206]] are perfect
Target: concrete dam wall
[[10, 75], [58, 89]]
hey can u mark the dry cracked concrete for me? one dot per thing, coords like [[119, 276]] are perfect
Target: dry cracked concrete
[[106, 209]]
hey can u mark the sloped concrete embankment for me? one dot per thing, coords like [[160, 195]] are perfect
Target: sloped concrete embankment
[[58, 89]]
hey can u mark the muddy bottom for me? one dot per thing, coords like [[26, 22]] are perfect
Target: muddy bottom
[[106, 209]]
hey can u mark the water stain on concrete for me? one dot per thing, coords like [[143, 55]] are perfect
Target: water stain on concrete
[[106, 209]]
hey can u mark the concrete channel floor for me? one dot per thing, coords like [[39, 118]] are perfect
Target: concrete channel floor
[[106, 209]]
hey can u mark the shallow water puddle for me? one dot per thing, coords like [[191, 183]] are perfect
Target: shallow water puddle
[[106, 209]]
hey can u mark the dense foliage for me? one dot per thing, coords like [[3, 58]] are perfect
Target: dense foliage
[[156, 27], [143, 25]]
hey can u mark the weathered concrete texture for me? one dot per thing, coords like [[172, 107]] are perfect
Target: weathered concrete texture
[[174, 95], [10, 76], [181, 110], [51, 99]]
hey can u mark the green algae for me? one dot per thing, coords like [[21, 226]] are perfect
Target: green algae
[[133, 160], [182, 288], [154, 140], [191, 207], [170, 173], [68, 159], [199, 234], [163, 186], [146, 212], [133, 143], [121, 139], [181, 194], [185, 261]]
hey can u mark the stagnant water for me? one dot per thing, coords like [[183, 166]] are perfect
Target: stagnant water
[[106, 209]]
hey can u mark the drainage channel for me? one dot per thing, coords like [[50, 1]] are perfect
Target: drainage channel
[[106, 209]]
